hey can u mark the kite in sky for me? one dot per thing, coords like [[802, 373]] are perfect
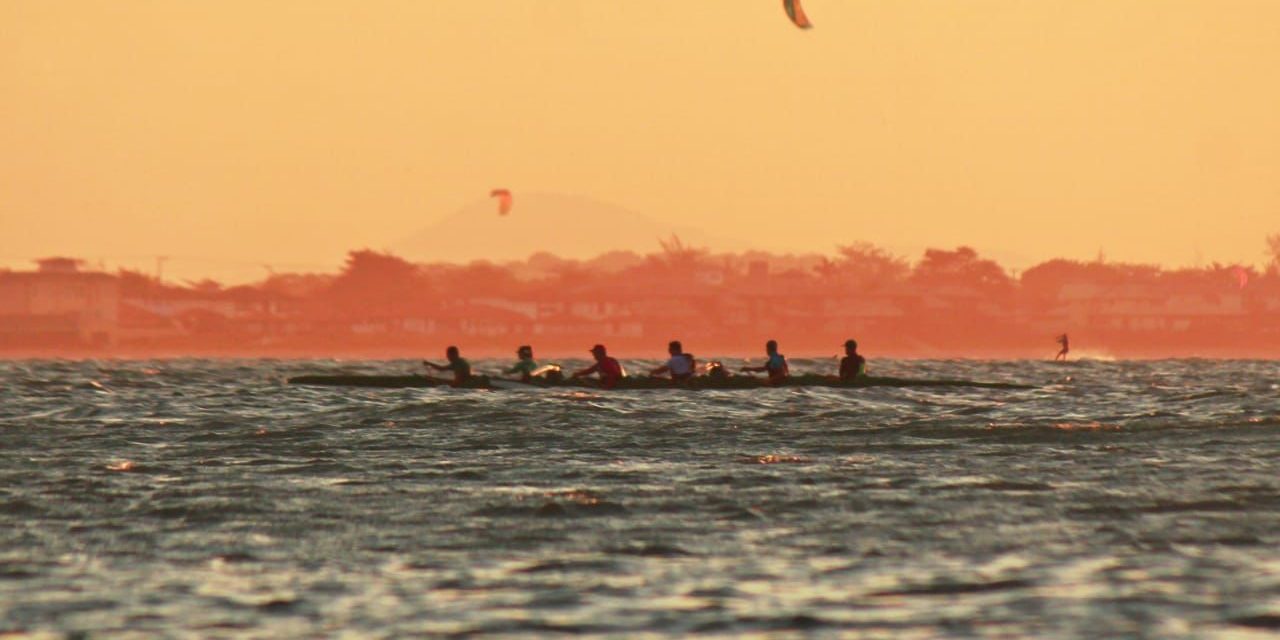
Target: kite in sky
[[504, 200], [796, 13]]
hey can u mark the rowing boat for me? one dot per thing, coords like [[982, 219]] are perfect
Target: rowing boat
[[644, 382]]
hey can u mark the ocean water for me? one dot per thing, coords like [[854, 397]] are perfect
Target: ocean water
[[198, 498]]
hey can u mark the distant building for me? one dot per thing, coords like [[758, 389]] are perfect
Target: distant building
[[58, 305]]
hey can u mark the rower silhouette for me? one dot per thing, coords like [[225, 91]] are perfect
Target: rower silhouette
[[852, 365], [457, 364]]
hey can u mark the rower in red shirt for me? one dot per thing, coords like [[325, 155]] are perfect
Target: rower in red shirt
[[609, 369]]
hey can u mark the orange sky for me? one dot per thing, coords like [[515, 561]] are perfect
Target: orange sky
[[231, 133]]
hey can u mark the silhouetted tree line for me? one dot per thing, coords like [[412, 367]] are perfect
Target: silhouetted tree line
[[373, 282], [945, 296]]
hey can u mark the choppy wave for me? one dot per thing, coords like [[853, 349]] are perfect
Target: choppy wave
[[208, 498]]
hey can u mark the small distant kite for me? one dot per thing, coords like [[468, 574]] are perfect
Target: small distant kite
[[796, 13], [504, 200]]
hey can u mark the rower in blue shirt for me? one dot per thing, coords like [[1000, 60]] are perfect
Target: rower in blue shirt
[[775, 365]]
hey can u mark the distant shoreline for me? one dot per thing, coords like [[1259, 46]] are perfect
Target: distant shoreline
[[635, 353]]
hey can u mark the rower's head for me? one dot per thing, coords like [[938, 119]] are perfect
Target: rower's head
[[599, 352], [850, 346], [675, 348], [771, 347], [525, 351], [451, 353]]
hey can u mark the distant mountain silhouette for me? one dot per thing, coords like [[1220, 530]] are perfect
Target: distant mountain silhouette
[[567, 226]]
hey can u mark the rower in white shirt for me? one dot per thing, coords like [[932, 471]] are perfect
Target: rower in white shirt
[[681, 365]]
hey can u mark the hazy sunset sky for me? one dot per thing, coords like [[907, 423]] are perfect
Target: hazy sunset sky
[[232, 133]]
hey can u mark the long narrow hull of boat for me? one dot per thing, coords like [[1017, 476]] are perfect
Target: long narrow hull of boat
[[732, 382], [380, 382]]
